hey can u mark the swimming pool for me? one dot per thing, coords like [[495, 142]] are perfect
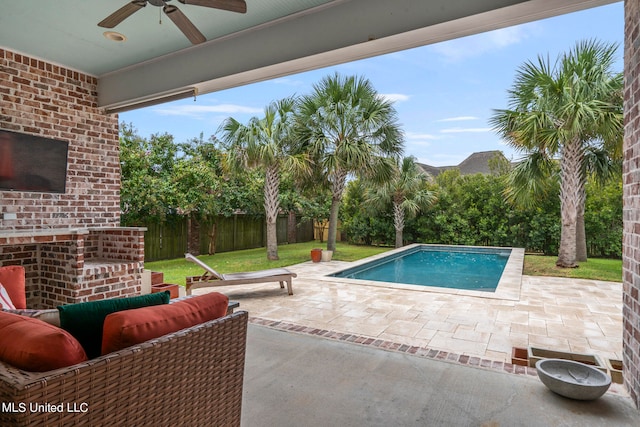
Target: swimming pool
[[464, 268]]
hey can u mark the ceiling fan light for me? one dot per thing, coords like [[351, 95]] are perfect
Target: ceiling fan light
[[114, 36]]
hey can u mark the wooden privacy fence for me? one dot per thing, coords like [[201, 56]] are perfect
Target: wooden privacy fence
[[165, 240], [170, 239]]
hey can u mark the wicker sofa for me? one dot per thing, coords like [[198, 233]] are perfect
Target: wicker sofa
[[192, 377]]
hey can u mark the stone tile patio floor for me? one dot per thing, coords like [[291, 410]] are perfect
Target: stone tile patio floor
[[574, 315]]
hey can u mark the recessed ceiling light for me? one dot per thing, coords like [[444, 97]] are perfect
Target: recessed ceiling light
[[116, 37]]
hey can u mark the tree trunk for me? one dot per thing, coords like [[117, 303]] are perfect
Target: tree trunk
[[581, 237], [570, 193], [193, 235], [333, 224], [272, 241], [292, 228], [212, 238], [318, 229], [339, 181], [271, 206], [398, 223], [189, 234]]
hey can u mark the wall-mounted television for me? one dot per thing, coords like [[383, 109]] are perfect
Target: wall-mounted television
[[32, 163]]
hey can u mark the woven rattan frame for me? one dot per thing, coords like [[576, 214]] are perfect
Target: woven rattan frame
[[192, 377]]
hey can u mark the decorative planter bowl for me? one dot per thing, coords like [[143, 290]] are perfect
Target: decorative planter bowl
[[326, 255], [571, 379]]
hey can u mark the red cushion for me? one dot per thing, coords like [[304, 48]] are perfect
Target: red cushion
[[33, 345], [130, 327], [12, 278]]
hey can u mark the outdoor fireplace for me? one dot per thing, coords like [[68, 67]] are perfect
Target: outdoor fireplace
[[66, 266]]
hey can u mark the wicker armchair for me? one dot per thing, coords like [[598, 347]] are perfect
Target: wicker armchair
[[192, 377]]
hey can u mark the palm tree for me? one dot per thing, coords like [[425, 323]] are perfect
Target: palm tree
[[406, 190], [348, 129], [566, 109], [266, 143], [537, 175]]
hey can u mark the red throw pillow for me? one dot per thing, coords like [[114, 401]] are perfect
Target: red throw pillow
[[12, 278], [33, 345], [130, 327]]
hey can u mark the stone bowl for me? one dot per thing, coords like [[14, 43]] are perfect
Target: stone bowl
[[572, 379]]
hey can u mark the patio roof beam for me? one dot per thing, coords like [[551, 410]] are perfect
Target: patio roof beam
[[337, 32]]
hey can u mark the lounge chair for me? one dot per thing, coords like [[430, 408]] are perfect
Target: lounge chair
[[213, 278]]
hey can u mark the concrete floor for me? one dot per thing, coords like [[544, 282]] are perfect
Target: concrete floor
[[300, 380]]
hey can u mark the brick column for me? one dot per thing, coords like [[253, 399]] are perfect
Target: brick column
[[631, 196]]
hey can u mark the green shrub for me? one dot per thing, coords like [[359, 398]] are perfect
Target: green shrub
[[471, 210]]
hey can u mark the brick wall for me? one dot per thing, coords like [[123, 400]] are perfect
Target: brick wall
[[70, 244], [50, 101], [631, 188]]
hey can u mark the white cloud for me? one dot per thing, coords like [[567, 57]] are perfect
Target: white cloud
[[506, 36], [394, 97], [289, 82], [480, 44], [420, 136], [419, 144], [198, 111], [466, 130], [458, 119]]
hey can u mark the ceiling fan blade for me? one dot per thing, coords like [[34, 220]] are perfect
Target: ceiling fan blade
[[239, 6], [183, 23], [121, 14]]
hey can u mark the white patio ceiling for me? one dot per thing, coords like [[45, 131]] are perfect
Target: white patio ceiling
[[273, 38]]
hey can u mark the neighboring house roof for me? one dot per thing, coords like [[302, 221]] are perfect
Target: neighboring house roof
[[475, 163]]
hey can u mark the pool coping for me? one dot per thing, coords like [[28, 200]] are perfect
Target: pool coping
[[508, 286]]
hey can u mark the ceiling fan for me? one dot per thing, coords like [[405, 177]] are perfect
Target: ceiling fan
[[175, 14]]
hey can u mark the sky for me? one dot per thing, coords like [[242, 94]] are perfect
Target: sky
[[444, 93]]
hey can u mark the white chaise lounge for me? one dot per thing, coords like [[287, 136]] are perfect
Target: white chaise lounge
[[213, 278]]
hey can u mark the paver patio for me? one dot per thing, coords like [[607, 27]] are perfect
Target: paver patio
[[574, 315]]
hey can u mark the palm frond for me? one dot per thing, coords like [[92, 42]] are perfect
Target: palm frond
[[531, 179]]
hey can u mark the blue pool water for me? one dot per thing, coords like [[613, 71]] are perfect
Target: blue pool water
[[467, 268]]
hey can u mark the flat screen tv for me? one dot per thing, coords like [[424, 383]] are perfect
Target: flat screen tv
[[32, 163]]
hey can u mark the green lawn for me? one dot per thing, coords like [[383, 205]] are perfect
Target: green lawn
[[595, 268], [176, 270]]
